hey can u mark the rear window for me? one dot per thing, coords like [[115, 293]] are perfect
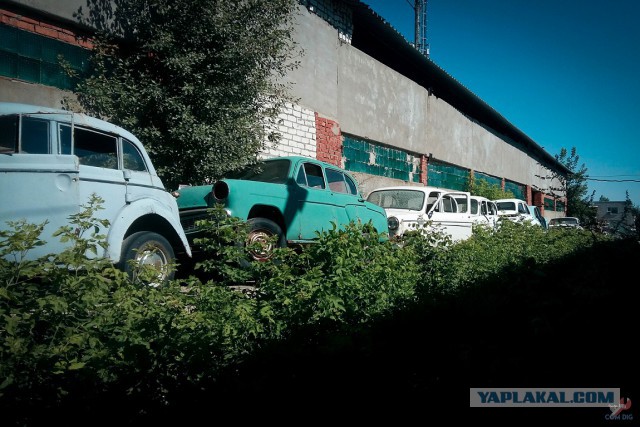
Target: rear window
[[34, 138], [8, 134]]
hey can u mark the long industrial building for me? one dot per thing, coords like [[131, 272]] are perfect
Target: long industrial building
[[367, 100]]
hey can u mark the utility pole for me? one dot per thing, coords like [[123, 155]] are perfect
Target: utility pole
[[420, 8]]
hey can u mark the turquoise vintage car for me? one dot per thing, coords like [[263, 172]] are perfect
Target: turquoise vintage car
[[288, 197]]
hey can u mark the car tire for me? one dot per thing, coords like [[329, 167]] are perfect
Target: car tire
[[262, 230], [148, 248]]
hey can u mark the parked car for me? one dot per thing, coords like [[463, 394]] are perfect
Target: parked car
[[535, 212], [484, 211], [288, 197], [565, 222], [425, 209], [52, 161], [515, 210]]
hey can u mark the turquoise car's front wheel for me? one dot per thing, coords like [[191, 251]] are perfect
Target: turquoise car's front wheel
[[264, 236]]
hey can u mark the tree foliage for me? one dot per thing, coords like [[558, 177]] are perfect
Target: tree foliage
[[481, 187], [198, 81], [575, 185]]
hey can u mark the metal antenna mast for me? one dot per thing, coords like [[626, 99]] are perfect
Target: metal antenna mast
[[421, 27]]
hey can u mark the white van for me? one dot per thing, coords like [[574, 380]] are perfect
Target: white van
[[52, 161]]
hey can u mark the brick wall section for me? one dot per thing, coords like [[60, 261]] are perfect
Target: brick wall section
[[297, 129], [44, 29], [538, 200], [529, 195], [424, 166], [328, 141]]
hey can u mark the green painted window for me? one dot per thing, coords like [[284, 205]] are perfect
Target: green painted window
[[34, 58], [447, 176], [366, 157], [548, 204], [518, 190], [560, 206]]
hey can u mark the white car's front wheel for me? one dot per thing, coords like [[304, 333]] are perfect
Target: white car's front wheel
[[148, 256]]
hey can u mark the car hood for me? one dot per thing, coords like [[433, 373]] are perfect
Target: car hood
[[404, 214], [192, 197]]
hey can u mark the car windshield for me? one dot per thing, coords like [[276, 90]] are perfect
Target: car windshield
[[273, 171], [398, 199], [506, 206]]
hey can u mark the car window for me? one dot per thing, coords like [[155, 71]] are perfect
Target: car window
[[462, 204], [131, 157], [314, 176], [32, 139], [448, 204], [95, 148], [474, 207], [353, 188], [8, 134], [336, 181], [34, 136], [64, 138], [523, 209]]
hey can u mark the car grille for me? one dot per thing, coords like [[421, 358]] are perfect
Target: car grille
[[188, 219]]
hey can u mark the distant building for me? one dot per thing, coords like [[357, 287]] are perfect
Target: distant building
[[614, 218]]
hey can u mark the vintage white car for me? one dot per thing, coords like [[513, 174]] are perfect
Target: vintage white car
[[53, 161], [426, 209], [516, 210]]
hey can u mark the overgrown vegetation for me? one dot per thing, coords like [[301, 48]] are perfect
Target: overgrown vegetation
[[198, 81], [78, 335]]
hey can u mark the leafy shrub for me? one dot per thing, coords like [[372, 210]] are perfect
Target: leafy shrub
[[78, 333]]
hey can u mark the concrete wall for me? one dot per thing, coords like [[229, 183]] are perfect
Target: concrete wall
[[29, 93], [360, 95], [370, 100]]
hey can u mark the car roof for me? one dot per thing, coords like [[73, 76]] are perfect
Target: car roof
[[303, 158], [424, 189], [58, 114], [510, 200], [481, 198]]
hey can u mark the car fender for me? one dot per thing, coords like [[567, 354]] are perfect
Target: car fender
[[133, 211]]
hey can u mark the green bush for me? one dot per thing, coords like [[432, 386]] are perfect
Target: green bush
[[77, 332]]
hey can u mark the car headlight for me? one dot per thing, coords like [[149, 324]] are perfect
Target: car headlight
[[220, 190], [393, 223]]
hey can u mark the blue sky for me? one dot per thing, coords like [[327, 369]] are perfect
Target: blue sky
[[565, 72]]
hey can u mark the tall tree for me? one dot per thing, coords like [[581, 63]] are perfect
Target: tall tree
[[576, 188], [198, 81]]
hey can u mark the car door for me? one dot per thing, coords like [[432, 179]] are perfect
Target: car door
[[316, 209], [446, 216], [38, 183], [100, 174], [135, 172], [348, 203]]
